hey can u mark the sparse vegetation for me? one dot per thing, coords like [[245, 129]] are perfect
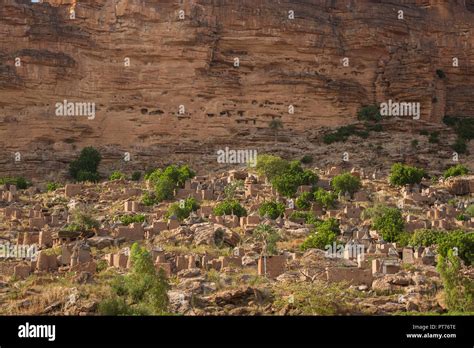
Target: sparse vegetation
[[458, 289], [343, 133], [456, 170], [20, 182], [143, 291], [130, 219], [440, 73], [52, 186], [231, 189], [369, 113]]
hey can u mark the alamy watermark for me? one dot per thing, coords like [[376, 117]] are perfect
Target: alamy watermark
[[400, 109], [66, 108], [345, 251], [15, 251], [237, 156]]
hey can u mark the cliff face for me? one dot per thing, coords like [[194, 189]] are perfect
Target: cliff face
[[189, 63]]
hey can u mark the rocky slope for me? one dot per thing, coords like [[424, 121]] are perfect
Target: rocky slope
[[190, 62]]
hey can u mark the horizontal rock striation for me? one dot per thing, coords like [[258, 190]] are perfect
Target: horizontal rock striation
[[182, 92]]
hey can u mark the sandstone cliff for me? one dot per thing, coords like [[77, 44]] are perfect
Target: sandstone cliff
[[190, 62]]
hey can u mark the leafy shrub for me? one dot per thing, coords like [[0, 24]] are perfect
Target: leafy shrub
[[425, 237], [141, 292], [440, 73], [464, 128], [458, 289], [404, 239], [303, 202], [424, 132], [164, 189], [165, 181], [148, 199], [287, 183], [387, 221], [231, 189], [83, 220], [324, 233], [20, 182], [325, 198], [460, 146], [342, 133], [271, 209], [271, 166], [130, 219], [307, 159], [470, 210], [462, 217], [229, 207], [136, 176], [269, 237], [85, 167], [456, 170], [346, 182], [182, 210], [374, 127], [401, 175], [52, 186], [117, 175], [84, 175], [433, 138], [369, 113], [309, 217], [285, 176]]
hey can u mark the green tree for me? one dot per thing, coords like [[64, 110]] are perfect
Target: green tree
[[387, 221], [182, 210], [325, 233], [271, 166], [229, 207], [346, 182], [116, 175], [231, 189], [460, 240], [325, 198], [164, 188], [458, 289], [271, 209], [269, 237], [303, 202], [84, 168], [401, 175]]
